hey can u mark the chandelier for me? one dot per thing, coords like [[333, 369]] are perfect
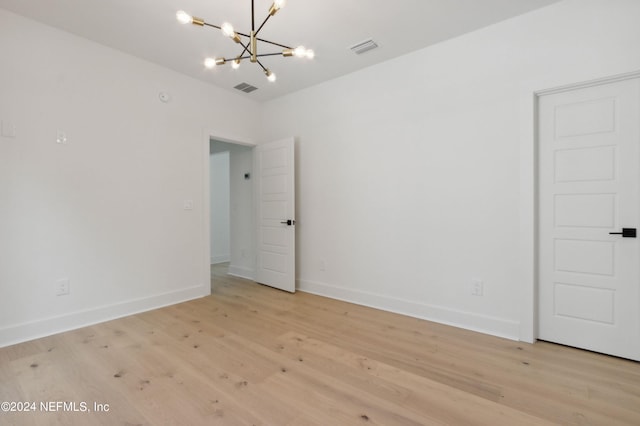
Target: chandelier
[[249, 43]]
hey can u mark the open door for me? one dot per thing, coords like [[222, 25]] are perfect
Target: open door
[[274, 168]]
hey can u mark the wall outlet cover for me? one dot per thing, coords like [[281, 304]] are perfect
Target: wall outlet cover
[[62, 287]]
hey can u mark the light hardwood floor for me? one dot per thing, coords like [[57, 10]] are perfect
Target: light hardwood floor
[[251, 355]]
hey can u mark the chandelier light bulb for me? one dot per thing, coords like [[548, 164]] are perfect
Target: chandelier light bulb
[[209, 63], [276, 6], [310, 54], [235, 64], [270, 76], [227, 30], [299, 52], [183, 17]]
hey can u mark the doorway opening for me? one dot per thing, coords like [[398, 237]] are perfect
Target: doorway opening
[[231, 210]]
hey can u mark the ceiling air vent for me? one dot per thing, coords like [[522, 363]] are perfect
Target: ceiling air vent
[[363, 46], [245, 87]]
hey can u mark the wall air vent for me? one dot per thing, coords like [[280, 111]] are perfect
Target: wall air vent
[[245, 87], [363, 46]]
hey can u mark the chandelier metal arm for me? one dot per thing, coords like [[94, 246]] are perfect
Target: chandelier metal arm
[[248, 36], [263, 67], [253, 18], [263, 22], [274, 43], [270, 54], [246, 48], [242, 53], [206, 24], [249, 56]]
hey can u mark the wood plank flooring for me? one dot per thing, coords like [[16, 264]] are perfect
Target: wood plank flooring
[[252, 355]]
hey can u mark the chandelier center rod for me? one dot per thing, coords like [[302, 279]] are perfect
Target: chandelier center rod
[[253, 17], [253, 47]]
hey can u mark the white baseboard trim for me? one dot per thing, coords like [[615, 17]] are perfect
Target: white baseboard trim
[[19, 333], [220, 259], [242, 272], [481, 323]]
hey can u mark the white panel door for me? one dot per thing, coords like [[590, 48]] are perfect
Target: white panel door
[[589, 186], [276, 215]]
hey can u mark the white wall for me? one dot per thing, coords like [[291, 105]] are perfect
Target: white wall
[[106, 209], [415, 176], [220, 207]]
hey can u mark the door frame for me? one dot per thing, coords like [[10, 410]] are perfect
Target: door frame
[[530, 94], [207, 136]]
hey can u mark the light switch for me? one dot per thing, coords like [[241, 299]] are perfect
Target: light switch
[[8, 129], [188, 205]]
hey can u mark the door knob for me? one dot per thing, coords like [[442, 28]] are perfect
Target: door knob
[[626, 233], [288, 222]]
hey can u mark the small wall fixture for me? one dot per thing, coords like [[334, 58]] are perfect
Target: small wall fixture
[[250, 44]]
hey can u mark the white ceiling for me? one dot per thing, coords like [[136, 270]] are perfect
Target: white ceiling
[[148, 29]]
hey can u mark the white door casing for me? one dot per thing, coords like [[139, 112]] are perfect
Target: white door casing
[[589, 187], [276, 214]]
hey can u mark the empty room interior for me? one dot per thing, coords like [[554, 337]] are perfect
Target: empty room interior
[[269, 212]]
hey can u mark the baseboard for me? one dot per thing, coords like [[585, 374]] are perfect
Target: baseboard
[[220, 259], [481, 323], [48, 326], [242, 272]]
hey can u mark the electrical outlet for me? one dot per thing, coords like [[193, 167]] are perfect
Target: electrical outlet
[[62, 287], [323, 265], [477, 288], [187, 205]]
